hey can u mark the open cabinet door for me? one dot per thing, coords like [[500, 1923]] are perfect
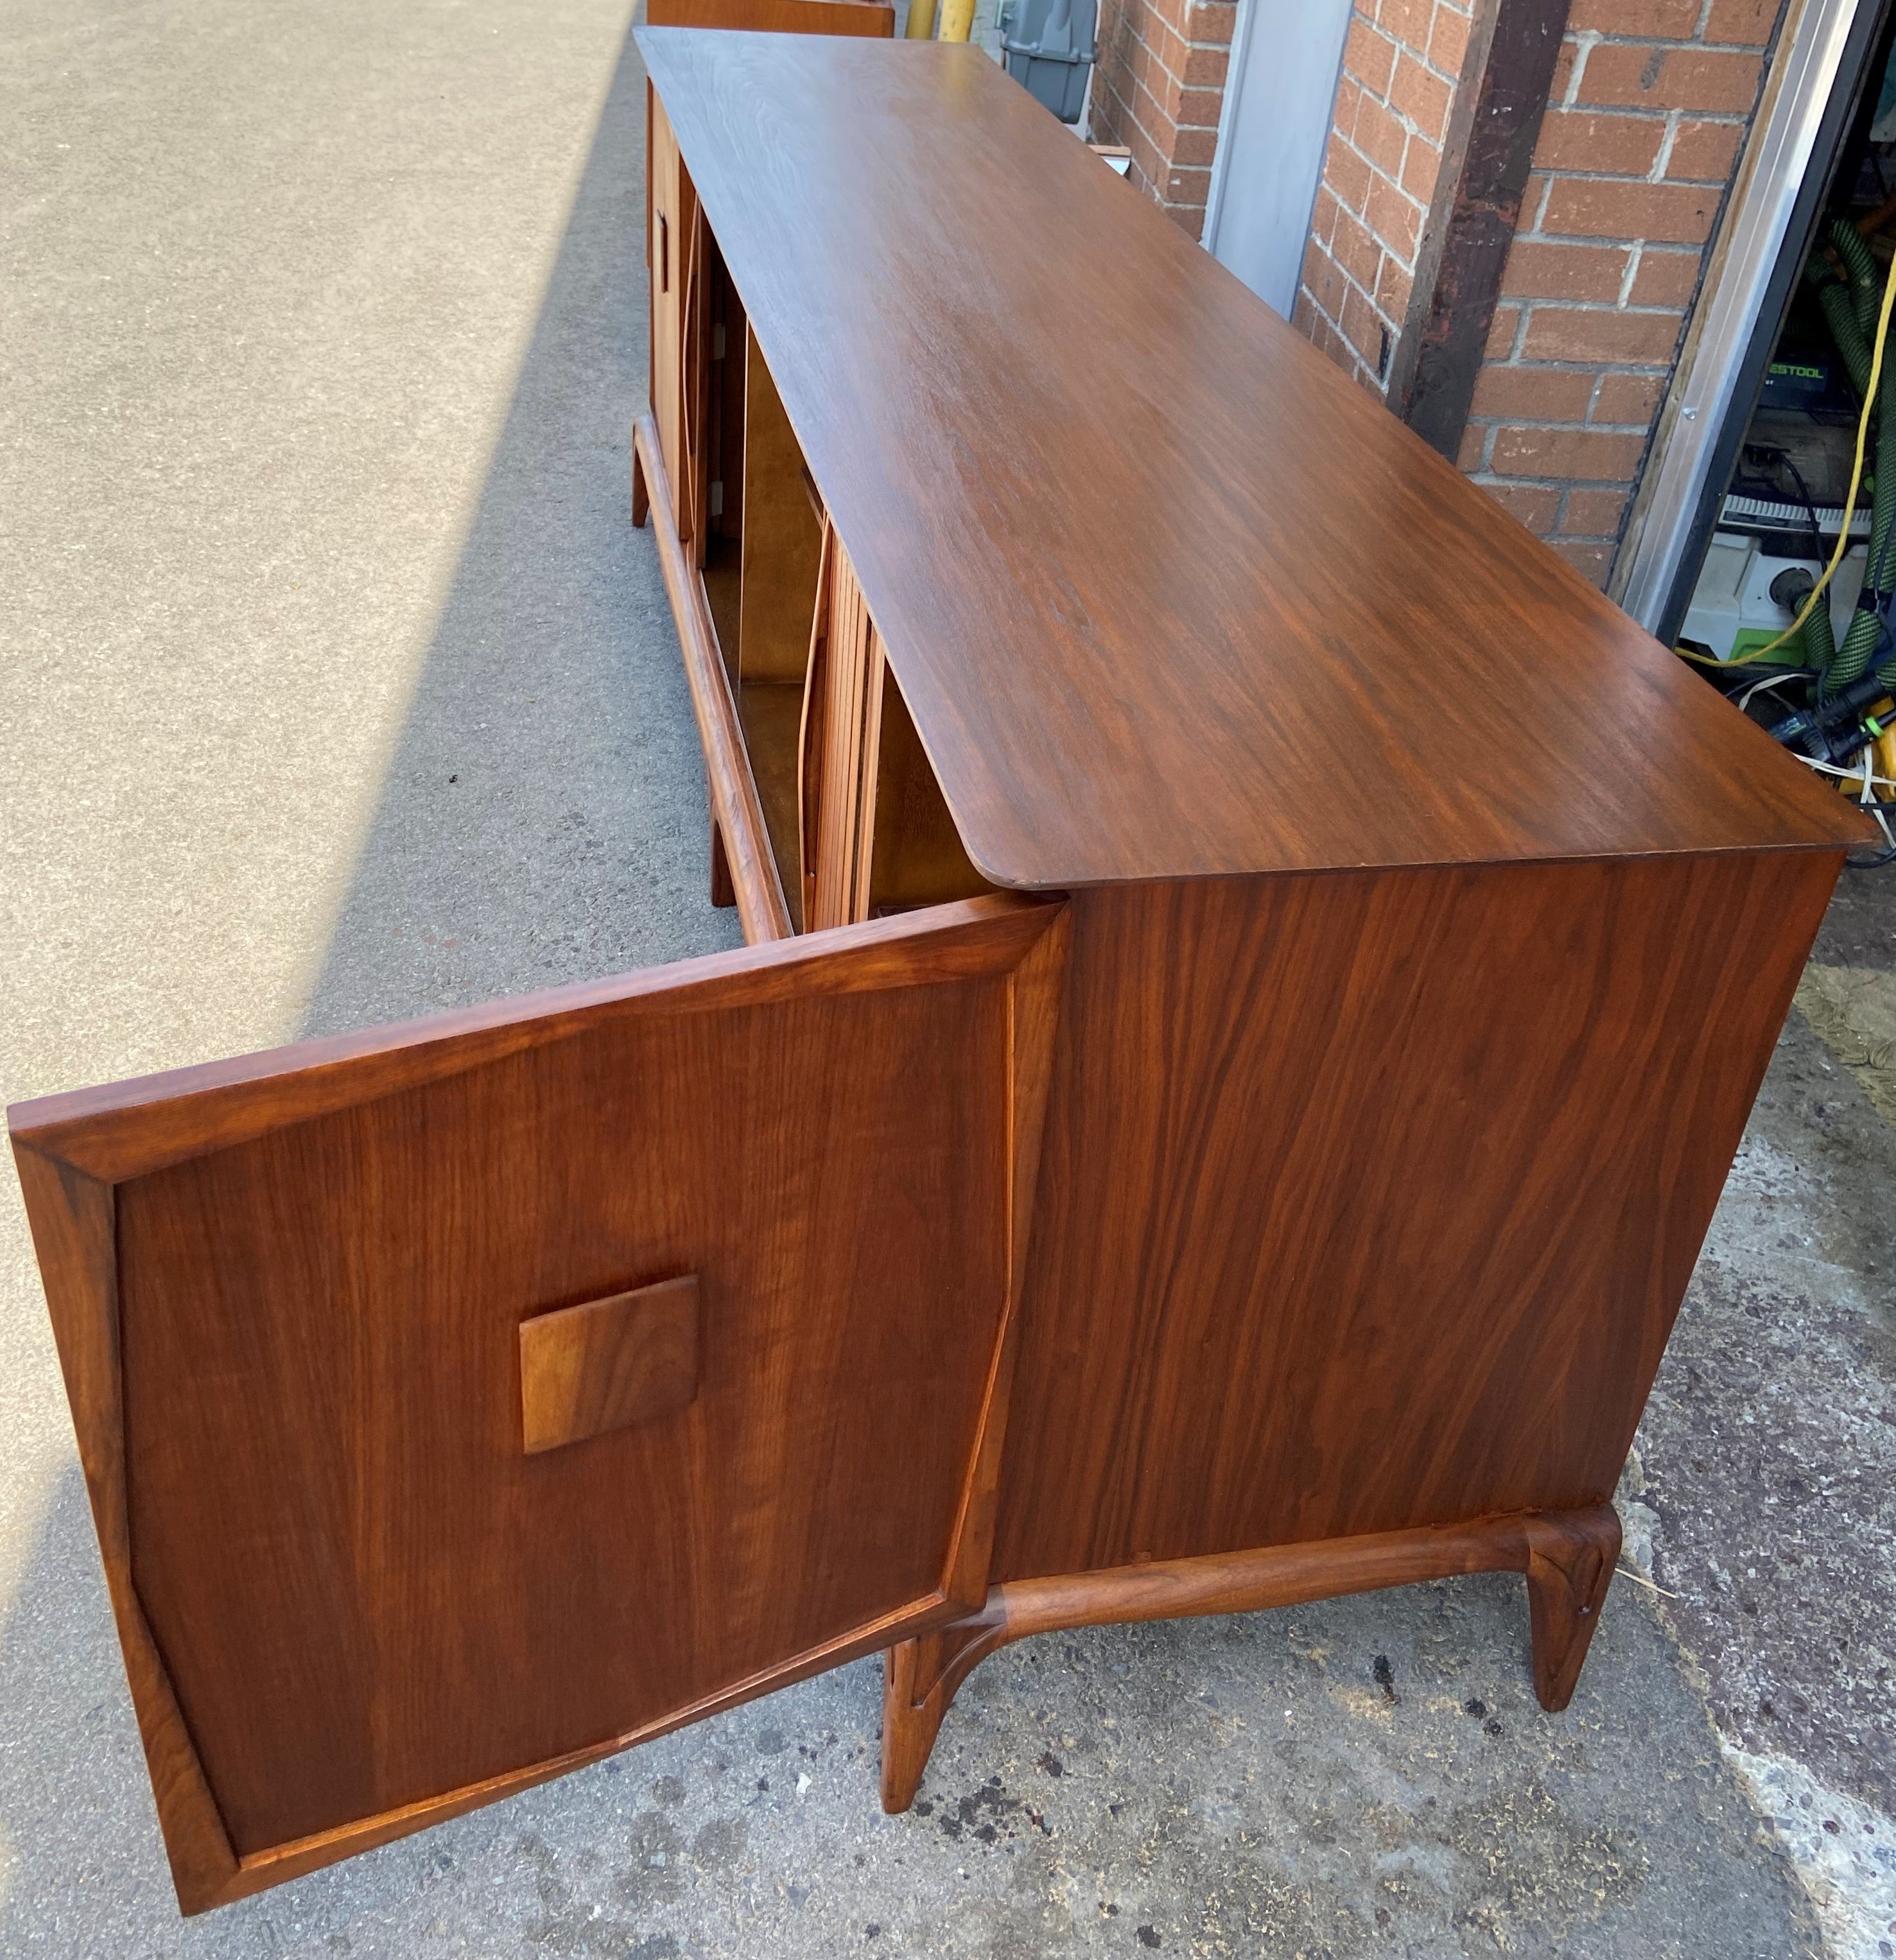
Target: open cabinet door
[[462, 1401]]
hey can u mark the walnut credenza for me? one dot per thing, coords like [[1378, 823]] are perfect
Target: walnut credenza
[[1257, 975]]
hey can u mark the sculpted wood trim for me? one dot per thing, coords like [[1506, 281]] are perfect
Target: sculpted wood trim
[[1566, 1557]]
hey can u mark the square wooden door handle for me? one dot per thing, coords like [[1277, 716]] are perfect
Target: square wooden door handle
[[608, 1364]]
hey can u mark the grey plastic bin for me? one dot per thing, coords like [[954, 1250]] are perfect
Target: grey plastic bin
[[1049, 47]]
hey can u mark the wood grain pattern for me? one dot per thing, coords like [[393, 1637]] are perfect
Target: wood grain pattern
[[608, 1364], [1369, 1199], [1567, 1558], [812, 734], [1050, 1258], [1034, 991], [373, 1607], [75, 1237], [771, 713], [782, 538], [846, 670], [748, 861], [915, 856], [673, 230], [869, 17], [1166, 596], [1571, 1559]]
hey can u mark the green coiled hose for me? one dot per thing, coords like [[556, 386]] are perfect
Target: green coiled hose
[[1850, 308]]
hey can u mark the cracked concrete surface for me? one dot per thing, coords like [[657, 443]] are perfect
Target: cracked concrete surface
[[337, 688], [1762, 1494]]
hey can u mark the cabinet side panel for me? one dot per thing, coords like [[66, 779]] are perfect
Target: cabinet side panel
[[1368, 1199]]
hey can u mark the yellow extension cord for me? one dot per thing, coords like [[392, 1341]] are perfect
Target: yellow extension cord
[[1817, 591]]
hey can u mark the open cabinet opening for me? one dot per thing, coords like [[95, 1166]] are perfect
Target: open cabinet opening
[[854, 820]]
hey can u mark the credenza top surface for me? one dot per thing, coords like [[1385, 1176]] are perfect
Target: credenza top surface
[[1166, 594]]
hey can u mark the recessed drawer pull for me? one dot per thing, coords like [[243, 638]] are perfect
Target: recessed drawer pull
[[608, 1364]]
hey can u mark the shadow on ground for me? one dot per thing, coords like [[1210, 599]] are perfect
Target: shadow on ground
[[1368, 1776], [543, 819]]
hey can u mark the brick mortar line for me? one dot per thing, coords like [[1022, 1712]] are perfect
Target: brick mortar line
[[1632, 113], [1376, 169], [1140, 88], [1600, 37], [1561, 174], [1596, 305], [1583, 45], [1624, 241], [1316, 306], [1413, 132], [1630, 278], [1190, 48], [1536, 477], [1487, 473], [1132, 116], [1421, 60], [1533, 229], [1601, 369], [1336, 326], [1668, 141], [1558, 428], [1362, 218], [1488, 479], [1381, 98], [1659, 43], [1356, 285], [1206, 47]]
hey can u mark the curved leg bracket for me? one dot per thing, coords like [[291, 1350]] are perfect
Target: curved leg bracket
[[919, 1678], [1568, 1558]]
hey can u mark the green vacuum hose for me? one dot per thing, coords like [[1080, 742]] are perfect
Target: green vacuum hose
[[1850, 308]]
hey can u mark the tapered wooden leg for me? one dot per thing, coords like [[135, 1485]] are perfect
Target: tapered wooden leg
[[642, 498], [919, 1680], [723, 892], [1570, 1559]]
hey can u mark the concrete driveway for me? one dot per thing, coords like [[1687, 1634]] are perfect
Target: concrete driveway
[[337, 688]]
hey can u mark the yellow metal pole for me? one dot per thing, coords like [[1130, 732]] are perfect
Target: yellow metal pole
[[921, 20], [957, 20]]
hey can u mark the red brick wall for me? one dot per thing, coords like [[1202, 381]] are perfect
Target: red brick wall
[[1157, 87], [1650, 106], [1400, 64]]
